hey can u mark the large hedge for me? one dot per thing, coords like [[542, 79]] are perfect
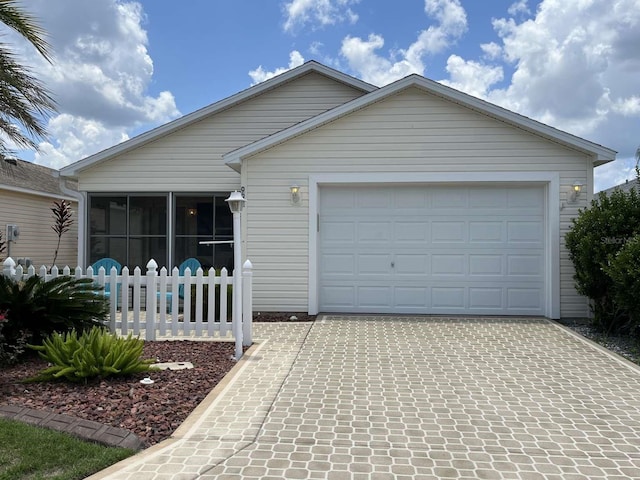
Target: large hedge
[[624, 270], [596, 236]]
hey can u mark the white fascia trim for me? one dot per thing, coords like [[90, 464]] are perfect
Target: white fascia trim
[[599, 153], [551, 181], [37, 193], [312, 66]]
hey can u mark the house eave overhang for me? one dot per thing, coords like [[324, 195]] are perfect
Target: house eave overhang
[[36, 193], [598, 153], [75, 168]]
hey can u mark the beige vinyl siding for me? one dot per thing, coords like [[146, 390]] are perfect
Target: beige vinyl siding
[[37, 240], [410, 132], [191, 159]]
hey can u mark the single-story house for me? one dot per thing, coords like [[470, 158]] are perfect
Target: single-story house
[[410, 198], [625, 187], [27, 194]]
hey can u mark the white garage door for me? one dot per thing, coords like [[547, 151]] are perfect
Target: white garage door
[[432, 249]]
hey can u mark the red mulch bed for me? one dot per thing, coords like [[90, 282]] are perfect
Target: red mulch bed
[[153, 412]]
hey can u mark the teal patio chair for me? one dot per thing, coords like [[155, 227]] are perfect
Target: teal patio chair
[[192, 264], [108, 264]]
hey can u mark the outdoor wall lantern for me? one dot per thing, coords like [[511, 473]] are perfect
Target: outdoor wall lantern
[[576, 188], [295, 194], [236, 201]]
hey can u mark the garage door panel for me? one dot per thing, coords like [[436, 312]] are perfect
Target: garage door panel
[[374, 232], [374, 264], [449, 198], [483, 265], [530, 198], [441, 250], [374, 297], [487, 198], [445, 232], [525, 232], [487, 232], [373, 199], [339, 199], [448, 297], [338, 233], [447, 264], [339, 296], [411, 298], [338, 264], [524, 298], [525, 265], [411, 199], [486, 298], [411, 264], [415, 231]]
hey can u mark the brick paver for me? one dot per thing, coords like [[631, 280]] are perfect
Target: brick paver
[[422, 397]]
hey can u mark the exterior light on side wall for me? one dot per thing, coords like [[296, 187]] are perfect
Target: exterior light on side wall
[[576, 188], [192, 212], [295, 194]]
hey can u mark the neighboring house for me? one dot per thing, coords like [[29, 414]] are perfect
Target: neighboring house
[[625, 187], [27, 194], [413, 197]]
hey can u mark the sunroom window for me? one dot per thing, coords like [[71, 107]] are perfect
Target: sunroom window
[[128, 228], [203, 218], [133, 228]]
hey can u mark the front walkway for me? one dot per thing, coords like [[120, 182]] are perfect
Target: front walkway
[[413, 397]]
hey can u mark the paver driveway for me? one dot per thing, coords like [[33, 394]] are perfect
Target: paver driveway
[[403, 397]]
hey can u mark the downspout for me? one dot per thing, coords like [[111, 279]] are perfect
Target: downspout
[[82, 217]]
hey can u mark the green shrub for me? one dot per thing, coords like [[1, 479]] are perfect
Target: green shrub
[[42, 307], [597, 234], [10, 352], [96, 353], [624, 271]]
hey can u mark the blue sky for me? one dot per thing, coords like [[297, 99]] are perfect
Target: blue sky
[[123, 67]]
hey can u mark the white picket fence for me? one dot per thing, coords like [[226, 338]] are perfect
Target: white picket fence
[[138, 302]]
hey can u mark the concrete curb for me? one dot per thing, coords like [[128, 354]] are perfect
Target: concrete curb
[[78, 427]]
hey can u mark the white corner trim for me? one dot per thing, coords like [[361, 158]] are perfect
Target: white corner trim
[[551, 181]]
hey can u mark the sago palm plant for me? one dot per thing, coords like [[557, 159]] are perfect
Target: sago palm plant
[[42, 307]]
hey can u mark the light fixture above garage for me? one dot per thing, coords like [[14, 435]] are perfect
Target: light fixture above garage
[[295, 194], [576, 188]]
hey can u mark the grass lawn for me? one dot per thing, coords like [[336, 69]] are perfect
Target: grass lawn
[[33, 453]]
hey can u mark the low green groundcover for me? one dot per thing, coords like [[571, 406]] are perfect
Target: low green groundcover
[[28, 452]]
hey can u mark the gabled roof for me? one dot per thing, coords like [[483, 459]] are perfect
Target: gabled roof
[[214, 108], [27, 177], [599, 153], [625, 187]]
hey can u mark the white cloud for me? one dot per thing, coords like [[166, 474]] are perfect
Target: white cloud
[[99, 77], [471, 77], [260, 74], [575, 67], [519, 7], [75, 138], [321, 12], [362, 56], [492, 50], [628, 107]]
